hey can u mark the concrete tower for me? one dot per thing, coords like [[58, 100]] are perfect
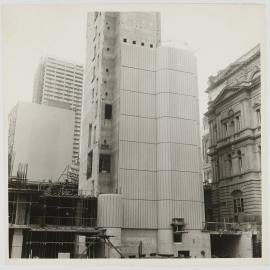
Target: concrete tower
[[140, 145], [59, 83]]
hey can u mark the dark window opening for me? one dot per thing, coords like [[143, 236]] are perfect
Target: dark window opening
[[258, 112], [89, 135], [133, 42], [105, 163], [108, 111], [151, 45], [89, 165], [124, 40], [104, 82], [106, 93], [108, 49], [230, 164], [108, 28], [107, 70], [183, 254], [177, 233], [142, 44]]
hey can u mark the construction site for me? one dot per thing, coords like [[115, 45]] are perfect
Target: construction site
[[52, 220]]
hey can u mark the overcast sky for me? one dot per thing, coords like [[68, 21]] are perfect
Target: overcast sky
[[218, 34]]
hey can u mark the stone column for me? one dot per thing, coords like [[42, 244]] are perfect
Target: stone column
[[17, 242]]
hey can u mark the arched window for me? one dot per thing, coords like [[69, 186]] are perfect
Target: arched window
[[240, 161], [238, 203]]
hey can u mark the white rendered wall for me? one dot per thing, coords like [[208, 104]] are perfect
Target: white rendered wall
[[43, 139]]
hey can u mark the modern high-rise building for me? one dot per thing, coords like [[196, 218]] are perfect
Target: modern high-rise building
[[140, 143], [59, 83]]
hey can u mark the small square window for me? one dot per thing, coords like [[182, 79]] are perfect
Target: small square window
[[124, 40], [107, 70], [108, 49], [151, 45], [142, 44], [133, 42], [108, 28]]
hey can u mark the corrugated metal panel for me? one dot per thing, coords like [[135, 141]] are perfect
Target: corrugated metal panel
[[176, 59], [138, 184], [137, 57], [175, 81], [140, 214], [138, 80], [139, 156], [179, 157], [110, 210]]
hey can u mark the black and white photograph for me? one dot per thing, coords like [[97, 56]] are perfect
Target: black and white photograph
[[134, 132]]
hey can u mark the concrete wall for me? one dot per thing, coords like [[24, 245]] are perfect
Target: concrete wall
[[43, 139]]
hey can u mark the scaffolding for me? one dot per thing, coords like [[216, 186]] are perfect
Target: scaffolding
[[51, 217]]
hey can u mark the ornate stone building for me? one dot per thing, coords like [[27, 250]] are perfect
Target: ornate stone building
[[234, 118]]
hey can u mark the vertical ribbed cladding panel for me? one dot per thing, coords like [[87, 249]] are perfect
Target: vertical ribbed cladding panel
[[137, 141], [110, 211], [178, 154]]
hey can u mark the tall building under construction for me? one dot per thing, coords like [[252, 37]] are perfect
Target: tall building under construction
[[140, 143]]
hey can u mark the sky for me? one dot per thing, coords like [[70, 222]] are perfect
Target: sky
[[217, 33]]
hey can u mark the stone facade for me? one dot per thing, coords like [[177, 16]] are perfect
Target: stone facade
[[234, 117]]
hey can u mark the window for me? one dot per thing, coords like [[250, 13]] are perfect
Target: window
[[238, 203], [178, 229], [142, 44], [215, 133], [108, 49], [108, 111], [225, 126], [104, 163], [240, 162], [133, 42], [95, 131], [232, 127], [89, 165], [237, 120], [124, 40], [90, 135], [258, 114], [177, 233], [96, 109], [229, 164], [107, 70], [151, 45]]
